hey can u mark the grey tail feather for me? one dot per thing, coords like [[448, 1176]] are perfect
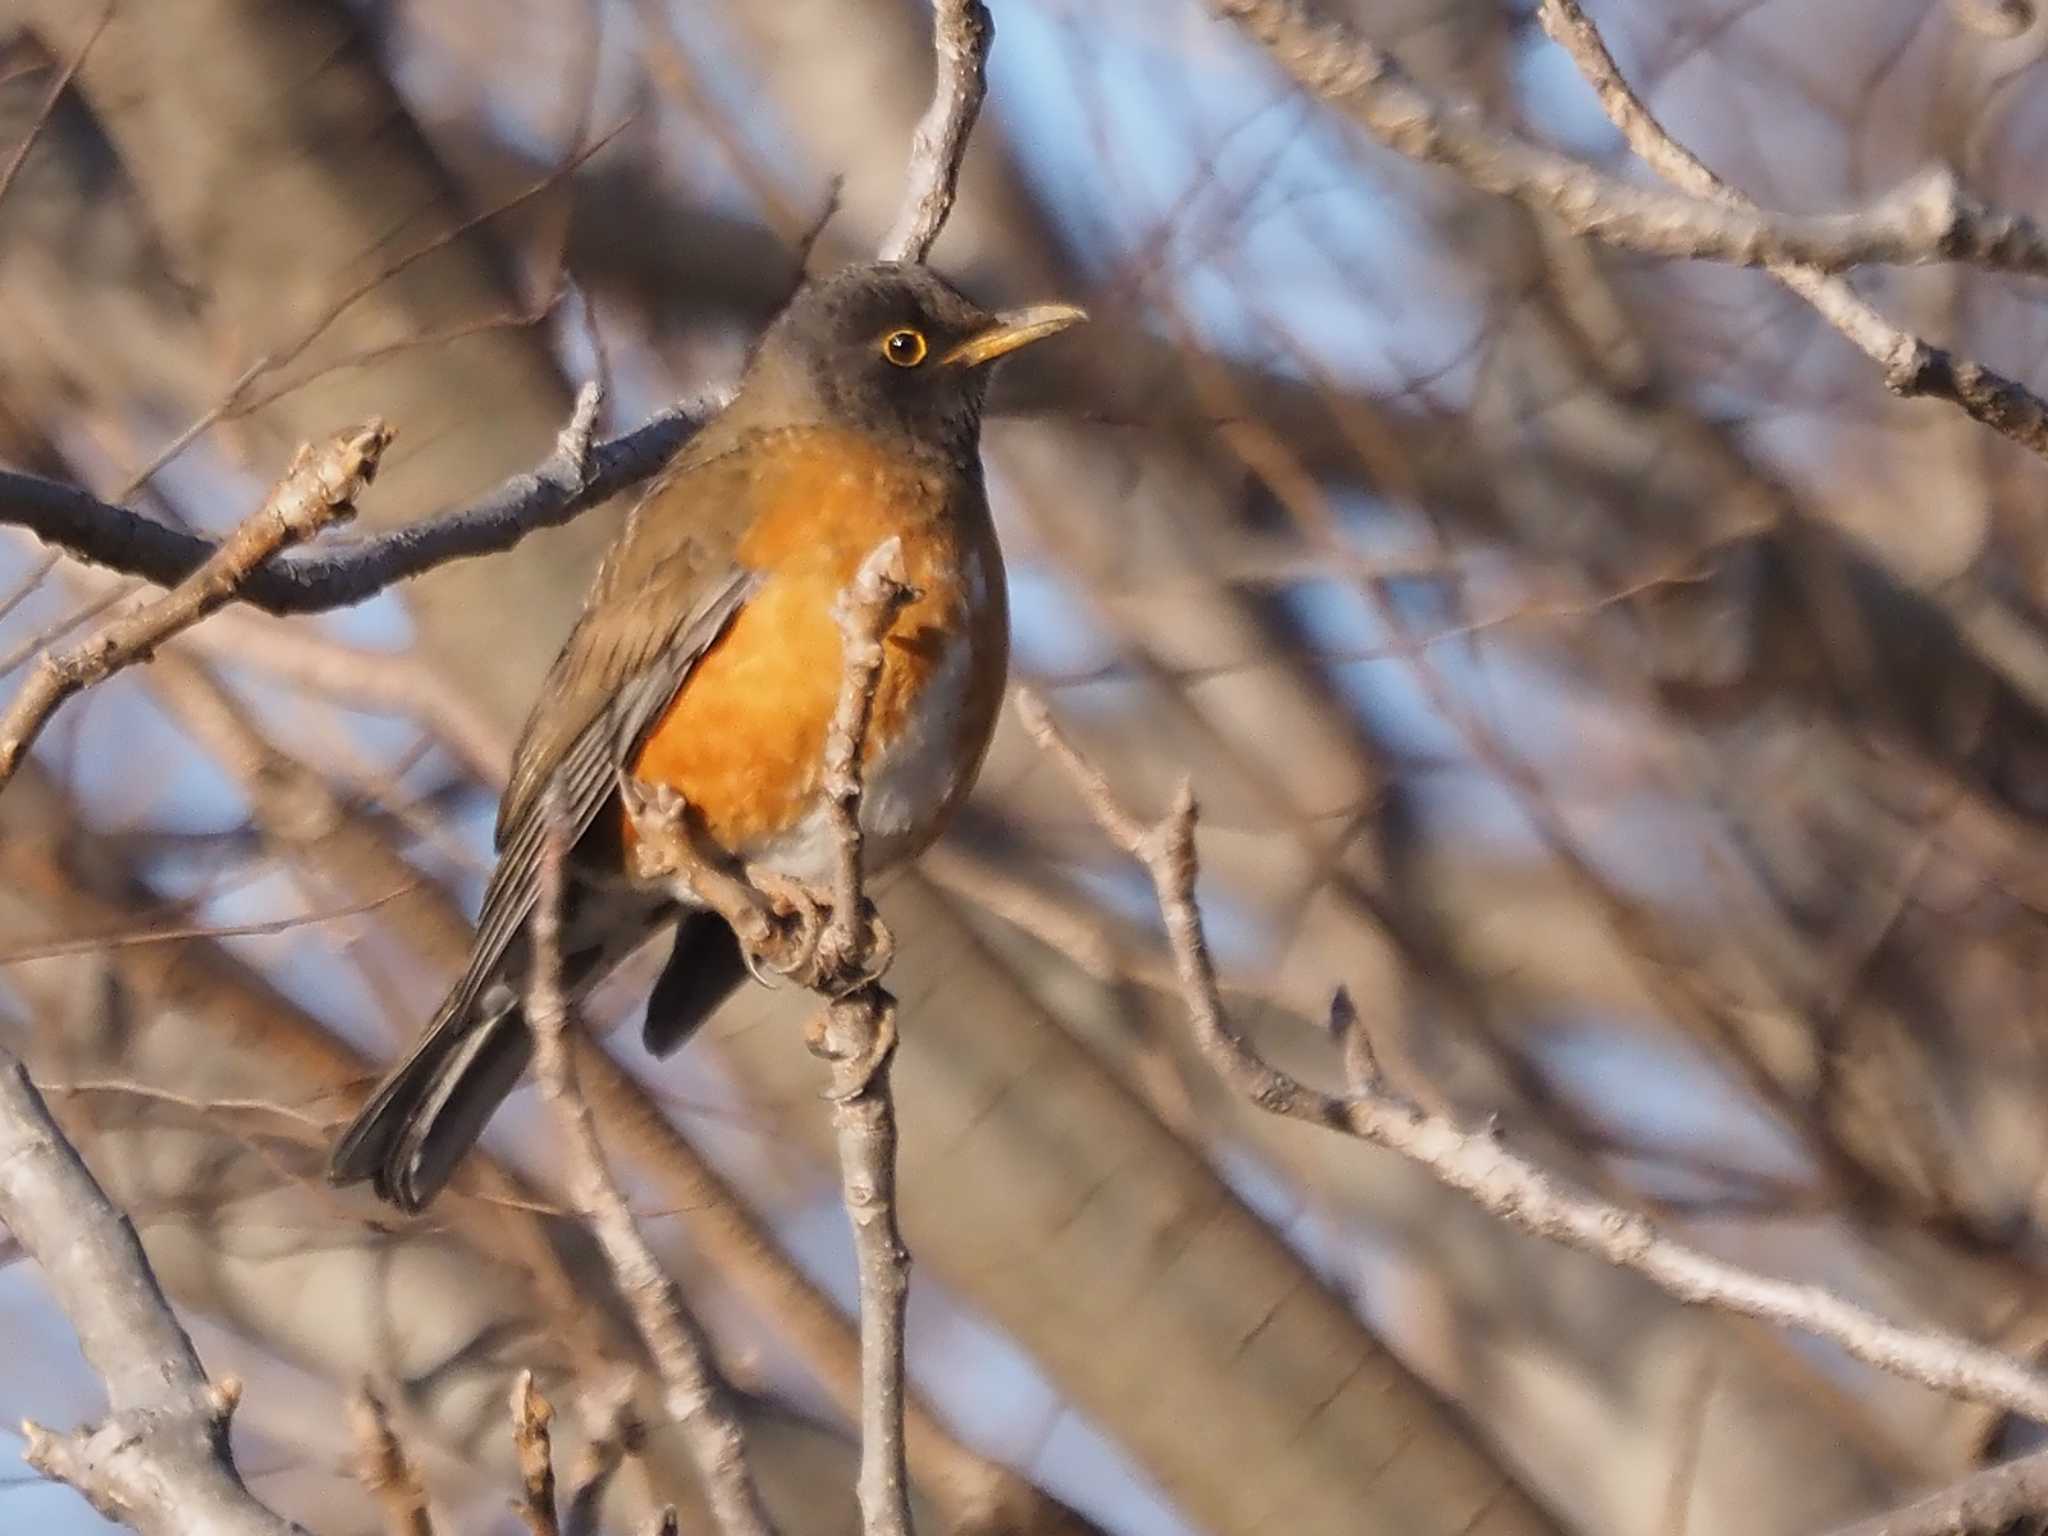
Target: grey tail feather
[[704, 966], [433, 1106]]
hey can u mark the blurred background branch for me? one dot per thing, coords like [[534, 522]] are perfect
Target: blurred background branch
[[1586, 657]]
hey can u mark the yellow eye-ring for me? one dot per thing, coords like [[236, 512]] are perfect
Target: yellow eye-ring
[[905, 348]]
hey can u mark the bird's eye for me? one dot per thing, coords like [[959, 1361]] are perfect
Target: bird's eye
[[905, 348]]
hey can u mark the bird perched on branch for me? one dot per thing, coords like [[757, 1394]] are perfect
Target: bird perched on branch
[[706, 664]]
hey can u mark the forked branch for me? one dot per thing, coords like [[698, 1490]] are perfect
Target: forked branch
[[1476, 1164]]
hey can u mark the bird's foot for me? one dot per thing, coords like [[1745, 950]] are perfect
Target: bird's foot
[[671, 848], [664, 847], [798, 918]]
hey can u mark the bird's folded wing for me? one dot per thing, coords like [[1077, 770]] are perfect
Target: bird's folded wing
[[575, 783]]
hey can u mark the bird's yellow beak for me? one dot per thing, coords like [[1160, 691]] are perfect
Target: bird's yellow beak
[[1014, 328]]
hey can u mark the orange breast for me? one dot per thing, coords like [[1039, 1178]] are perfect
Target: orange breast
[[743, 740]]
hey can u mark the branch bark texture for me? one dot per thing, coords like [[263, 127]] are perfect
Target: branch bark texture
[[318, 489], [160, 1462], [962, 34], [841, 958], [859, 1038], [577, 476]]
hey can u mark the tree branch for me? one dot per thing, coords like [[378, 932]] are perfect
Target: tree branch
[[319, 488], [859, 1038], [385, 1470], [1477, 1165], [532, 1414], [160, 1461], [1986, 1503], [841, 958], [1911, 366], [578, 475], [691, 1389], [1927, 219], [962, 34]]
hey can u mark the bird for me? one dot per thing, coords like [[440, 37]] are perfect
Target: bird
[[705, 664]]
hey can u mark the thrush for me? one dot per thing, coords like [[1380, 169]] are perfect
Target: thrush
[[707, 661]]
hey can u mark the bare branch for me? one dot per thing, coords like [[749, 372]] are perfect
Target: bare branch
[[1477, 1165], [319, 488], [841, 960], [552, 493], [160, 1461], [49, 103], [1986, 1503], [1928, 219], [385, 1470], [971, 1491], [865, 612], [962, 34], [531, 1416], [692, 1391], [858, 1038], [572, 443], [1911, 366]]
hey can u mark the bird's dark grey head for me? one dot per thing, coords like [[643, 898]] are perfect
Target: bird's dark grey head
[[887, 347]]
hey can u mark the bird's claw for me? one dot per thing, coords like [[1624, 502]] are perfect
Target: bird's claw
[[799, 919], [785, 931]]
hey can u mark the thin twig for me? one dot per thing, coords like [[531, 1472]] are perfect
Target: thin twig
[[1690, 1439], [385, 1470], [972, 1492], [855, 1032], [962, 34], [319, 488], [1911, 366], [160, 1461], [94, 943], [49, 103], [864, 613], [691, 1389], [531, 1440], [859, 1039], [1477, 1165], [1927, 219]]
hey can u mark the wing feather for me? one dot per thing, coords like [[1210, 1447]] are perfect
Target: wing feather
[[584, 778], [665, 593]]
